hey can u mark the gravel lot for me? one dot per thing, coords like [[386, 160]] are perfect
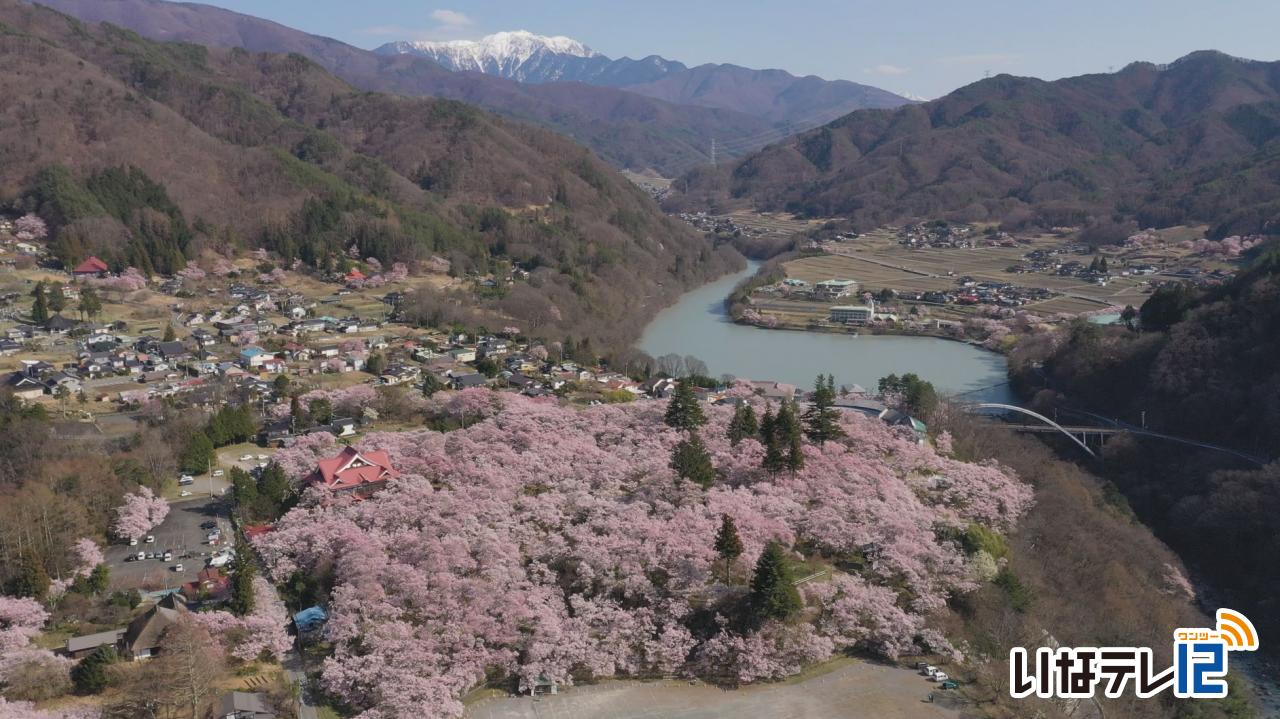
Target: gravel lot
[[181, 534], [858, 690]]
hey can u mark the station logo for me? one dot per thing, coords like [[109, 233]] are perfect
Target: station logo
[[1199, 668]]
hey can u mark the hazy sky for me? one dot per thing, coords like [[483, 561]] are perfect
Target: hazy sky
[[926, 47]]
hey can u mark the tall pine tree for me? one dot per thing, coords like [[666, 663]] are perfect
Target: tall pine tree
[[789, 436], [743, 424], [684, 411], [822, 420], [728, 543], [241, 601], [773, 591], [692, 461], [39, 306]]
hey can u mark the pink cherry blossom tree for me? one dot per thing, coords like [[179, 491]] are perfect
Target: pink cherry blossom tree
[[140, 513], [29, 228], [550, 542]]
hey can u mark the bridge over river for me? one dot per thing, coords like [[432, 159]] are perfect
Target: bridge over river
[[1105, 427]]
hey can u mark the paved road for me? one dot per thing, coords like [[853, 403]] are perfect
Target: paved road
[[858, 690]]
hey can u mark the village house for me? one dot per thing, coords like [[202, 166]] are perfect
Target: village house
[[244, 705], [91, 267], [353, 472], [141, 639]]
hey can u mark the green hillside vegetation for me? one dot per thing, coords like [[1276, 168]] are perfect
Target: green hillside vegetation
[[134, 148], [1196, 141], [1202, 366]]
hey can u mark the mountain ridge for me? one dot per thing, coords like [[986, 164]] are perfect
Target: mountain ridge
[[1196, 141], [626, 129], [211, 149], [772, 94]]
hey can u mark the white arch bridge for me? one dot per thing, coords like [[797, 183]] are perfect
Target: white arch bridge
[[1080, 434]]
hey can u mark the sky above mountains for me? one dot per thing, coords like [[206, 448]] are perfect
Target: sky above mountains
[[923, 47]]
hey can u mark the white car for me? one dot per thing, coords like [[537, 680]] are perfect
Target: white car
[[186, 478], [246, 458], [940, 677], [133, 542], [177, 567], [262, 458], [217, 473], [151, 539], [184, 493], [219, 560], [140, 556], [168, 556]]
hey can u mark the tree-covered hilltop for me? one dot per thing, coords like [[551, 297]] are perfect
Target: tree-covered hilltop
[[1199, 364], [1192, 142], [557, 543], [148, 154]]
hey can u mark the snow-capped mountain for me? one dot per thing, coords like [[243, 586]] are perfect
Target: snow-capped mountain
[[525, 57], [773, 95]]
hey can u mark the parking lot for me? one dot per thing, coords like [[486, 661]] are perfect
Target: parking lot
[[181, 534], [857, 690]]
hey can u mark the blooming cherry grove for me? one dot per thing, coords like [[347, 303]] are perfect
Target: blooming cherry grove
[[139, 514], [547, 541]]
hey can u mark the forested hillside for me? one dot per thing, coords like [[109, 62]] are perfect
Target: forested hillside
[[1201, 365], [136, 149], [1196, 141], [624, 128]]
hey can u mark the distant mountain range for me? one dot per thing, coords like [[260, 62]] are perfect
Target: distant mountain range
[[774, 95], [629, 129], [1197, 140], [151, 154]]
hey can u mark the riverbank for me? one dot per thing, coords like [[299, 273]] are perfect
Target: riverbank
[[700, 325]]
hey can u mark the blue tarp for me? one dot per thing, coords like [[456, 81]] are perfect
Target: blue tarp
[[310, 618]]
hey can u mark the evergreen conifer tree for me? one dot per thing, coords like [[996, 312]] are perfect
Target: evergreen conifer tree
[[773, 591], [39, 306], [691, 461], [728, 543], [684, 412], [822, 420], [743, 424]]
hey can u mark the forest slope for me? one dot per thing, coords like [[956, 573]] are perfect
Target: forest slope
[[271, 150], [1196, 140]]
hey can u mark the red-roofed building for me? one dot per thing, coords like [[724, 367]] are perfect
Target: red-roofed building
[[92, 267], [354, 472], [210, 587], [354, 275]]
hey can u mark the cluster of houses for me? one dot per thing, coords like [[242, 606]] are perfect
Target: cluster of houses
[[937, 234]]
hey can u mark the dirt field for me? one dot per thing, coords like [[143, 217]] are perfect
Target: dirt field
[[876, 260], [854, 690]]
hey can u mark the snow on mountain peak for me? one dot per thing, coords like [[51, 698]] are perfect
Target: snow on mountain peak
[[502, 49]]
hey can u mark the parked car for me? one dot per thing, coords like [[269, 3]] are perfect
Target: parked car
[[186, 481], [133, 541], [140, 556], [940, 677], [177, 567], [168, 556], [217, 473], [262, 458], [246, 458], [210, 524], [184, 493], [151, 539]]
